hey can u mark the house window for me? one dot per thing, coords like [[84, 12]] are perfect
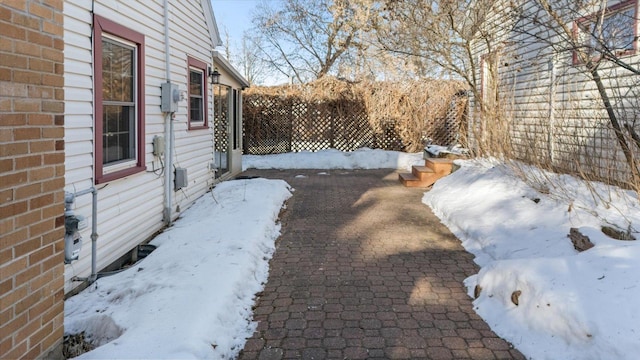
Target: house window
[[613, 33], [197, 94], [119, 99]]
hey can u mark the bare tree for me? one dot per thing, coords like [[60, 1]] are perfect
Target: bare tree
[[598, 37], [306, 39]]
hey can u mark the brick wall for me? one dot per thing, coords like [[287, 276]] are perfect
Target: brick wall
[[31, 178]]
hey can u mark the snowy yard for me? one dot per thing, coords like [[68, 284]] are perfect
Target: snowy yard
[[192, 297]]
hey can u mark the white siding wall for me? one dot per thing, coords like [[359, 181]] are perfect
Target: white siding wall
[[130, 209], [563, 121]]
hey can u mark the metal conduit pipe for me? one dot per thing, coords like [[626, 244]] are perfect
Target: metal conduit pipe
[[168, 126], [94, 232]]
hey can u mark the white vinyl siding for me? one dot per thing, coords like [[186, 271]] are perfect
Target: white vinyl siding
[[130, 209], [561, 121]]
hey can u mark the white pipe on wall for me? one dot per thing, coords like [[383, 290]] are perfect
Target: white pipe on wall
[[168, 126]]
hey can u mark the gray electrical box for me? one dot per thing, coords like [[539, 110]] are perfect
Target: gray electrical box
[[180, 179], [158, 145], [170, 96]]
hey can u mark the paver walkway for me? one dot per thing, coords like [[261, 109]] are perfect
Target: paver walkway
[[364, 270]]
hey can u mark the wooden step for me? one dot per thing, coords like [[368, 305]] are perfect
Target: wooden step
[[421, 172], [410, 180], [439, 165]]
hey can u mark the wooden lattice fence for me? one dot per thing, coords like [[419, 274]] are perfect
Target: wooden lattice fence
[[338, 115]]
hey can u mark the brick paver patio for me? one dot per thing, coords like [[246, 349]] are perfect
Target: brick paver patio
[[364, 270]]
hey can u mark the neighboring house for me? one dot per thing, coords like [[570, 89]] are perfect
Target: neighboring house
[[530, 76], [149, 151]]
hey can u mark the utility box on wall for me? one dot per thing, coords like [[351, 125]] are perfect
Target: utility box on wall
[[180, 179], [170, 96]]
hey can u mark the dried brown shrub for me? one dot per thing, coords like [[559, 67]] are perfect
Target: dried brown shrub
[[417, 110]]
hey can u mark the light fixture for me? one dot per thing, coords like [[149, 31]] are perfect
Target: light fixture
[[215, 76]]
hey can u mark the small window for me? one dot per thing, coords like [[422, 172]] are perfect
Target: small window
[[615, 35], [119, 98], [197, 94]]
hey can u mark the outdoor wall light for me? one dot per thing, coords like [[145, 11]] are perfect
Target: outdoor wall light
[[215, 76]]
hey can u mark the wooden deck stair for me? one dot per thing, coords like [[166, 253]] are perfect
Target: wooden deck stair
[[427, 175]]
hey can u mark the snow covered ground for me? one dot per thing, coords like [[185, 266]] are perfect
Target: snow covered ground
[[192, 297]]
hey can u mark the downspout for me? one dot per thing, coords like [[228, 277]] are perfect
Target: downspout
[[168, 126], [552, 120]]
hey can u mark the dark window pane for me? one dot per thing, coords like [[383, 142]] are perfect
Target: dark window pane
[[117, 72], [195, 83], [118, 139], [196, 109]]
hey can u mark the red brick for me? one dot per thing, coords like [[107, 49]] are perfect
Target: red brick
[[52, 159], [41, 201], [27, 48], [59, 94], [40, 92], [6, 135], [53, 106], [26, 105], [11, 119], [53, 80], [30, 326], [13, 61], [41, 146], [26, 220], [7, 225], [52, 28], [54, 237], [27, 77], [28, 274], [58, 44], [59, 145], [16, 4], [41, 11], [59, 120], [13, 179], [40, 119], [8, 270], [53, 133], [55, 4], [39, 335], [26, 247], [54, 54], [26, 21], [34, 351], [6, 345], [53, 340], [18, 351], [55, 311], [25, 162], [39, 229], [5, 197], [41, 280], [6, 165], [5, 14], [41, 173], [52, 185], [28, 191], [41, 65], [6, 255], [5, 75], [6, 286], [13, 149], [26, 133], [15, 237], [38, 38], [14, 32]]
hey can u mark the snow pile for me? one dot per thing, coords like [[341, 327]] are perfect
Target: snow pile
[[436, 150], [192, 297], [572, 305], [363, 158]]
